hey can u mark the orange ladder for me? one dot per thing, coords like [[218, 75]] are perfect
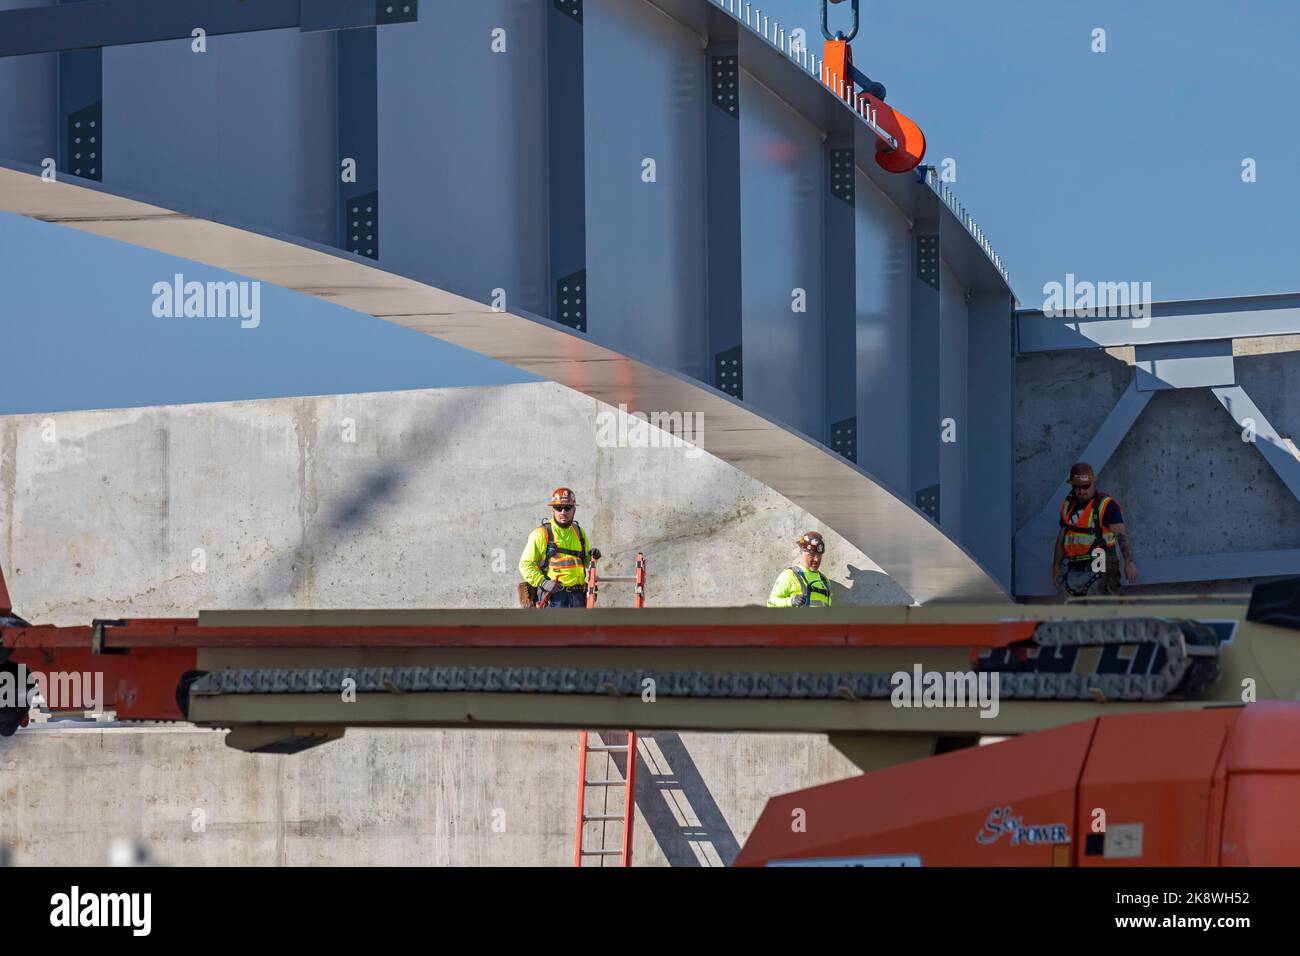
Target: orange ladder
[[593, 579], [628, 781]]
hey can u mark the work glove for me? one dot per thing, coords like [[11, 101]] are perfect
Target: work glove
[[595, 554], [549, 585], [797, 601]]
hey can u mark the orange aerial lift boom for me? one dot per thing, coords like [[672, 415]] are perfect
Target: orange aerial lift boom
[[1113, 699], [749, 668]]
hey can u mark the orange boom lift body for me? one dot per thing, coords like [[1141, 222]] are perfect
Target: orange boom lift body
[[1213, 787]]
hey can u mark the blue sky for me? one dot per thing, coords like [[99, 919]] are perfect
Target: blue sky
[[1115, 166], [76, 313], [1122, 165]]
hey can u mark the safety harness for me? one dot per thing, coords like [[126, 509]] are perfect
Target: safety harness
[[824, 588], [552, 549], [1097, 511]]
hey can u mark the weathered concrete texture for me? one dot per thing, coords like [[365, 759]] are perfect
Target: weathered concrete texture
[[1186, 480], [481, 798], [1062, 398], [1273, 381], [395, 499], [1266, 345], [1185, 458], [166, 511]]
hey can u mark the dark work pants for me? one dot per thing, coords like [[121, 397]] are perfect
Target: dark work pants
[[567, 599]]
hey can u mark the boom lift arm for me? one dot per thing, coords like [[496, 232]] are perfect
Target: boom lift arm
[[274, 677]]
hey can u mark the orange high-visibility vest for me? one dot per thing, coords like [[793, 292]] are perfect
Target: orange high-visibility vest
[[1084, 529]]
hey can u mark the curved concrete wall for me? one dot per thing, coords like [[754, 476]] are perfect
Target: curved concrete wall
[[428, 505], [100, 516]]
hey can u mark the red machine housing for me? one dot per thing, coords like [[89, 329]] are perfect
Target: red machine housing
[[1213, 787]]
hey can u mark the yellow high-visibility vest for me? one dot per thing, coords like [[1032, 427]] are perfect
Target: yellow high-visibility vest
[[561, 555], [813, 585]]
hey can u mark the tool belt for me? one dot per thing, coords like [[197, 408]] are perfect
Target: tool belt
[[530, 595]]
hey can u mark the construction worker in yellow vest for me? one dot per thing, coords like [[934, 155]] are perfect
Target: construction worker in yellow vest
[[802, 584], [1092, 525], [555, 559]]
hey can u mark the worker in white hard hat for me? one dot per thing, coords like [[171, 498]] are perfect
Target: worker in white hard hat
[[802, 584]]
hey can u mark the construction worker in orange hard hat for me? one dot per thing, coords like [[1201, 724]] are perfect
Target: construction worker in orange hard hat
[[1092, 525], [802, 584], [555, 559]]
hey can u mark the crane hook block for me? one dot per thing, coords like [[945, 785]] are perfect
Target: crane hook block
[[911, 141], [839, 75]]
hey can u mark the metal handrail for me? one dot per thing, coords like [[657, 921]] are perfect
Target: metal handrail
[[770, 30]]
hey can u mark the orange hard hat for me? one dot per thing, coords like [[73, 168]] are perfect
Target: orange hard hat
[[563, 496], [812, 543], [1081, 474]]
